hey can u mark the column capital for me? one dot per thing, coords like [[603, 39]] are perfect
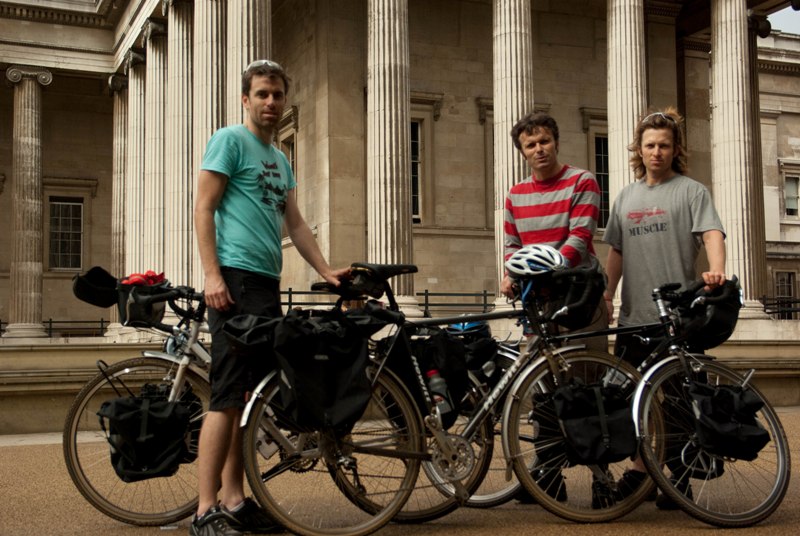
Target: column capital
[[132, 58], [153, 28], [15, 73], [758, 23], [117, 83]]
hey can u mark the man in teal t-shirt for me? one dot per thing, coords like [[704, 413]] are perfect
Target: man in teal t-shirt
[[245, 194]]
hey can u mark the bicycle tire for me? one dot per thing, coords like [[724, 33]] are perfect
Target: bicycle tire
[[305, 493], [746, 492], [152, 502], [433, 496], [533, 438]]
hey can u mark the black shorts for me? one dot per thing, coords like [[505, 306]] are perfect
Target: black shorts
[[232, 374]]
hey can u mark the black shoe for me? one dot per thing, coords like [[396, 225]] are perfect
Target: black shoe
[[250, 517], [665, 502], [629, 483], [215, 522]]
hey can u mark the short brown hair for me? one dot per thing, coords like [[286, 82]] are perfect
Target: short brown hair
[[263, 68], [531, 122], [669, 119]]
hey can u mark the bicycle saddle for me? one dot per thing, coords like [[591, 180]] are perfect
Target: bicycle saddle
[[383, 271]]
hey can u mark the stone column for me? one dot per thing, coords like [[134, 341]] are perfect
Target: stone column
[[118, 85], [25, 309], [134, 164], [155, 41], [249, 33], [179, 180], [513, 98], [736, 176], [209, 90], [627, 86], [389, 237]]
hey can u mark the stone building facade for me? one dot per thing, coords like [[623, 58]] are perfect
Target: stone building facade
[[397, 130]]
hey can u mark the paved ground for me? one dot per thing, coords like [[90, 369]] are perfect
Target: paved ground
[[38, 498]]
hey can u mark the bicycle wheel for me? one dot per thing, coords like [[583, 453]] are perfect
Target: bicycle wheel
[[152, 502], [318, 485], [434, 496], [720, 491], [534, 439]]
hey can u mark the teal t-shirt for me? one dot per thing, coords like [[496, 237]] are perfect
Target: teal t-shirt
[[250, 214]]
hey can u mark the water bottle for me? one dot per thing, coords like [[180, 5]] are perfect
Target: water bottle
[[439, 392]]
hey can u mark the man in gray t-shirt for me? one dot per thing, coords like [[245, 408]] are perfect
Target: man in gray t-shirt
[[658, 231], [656, 228]]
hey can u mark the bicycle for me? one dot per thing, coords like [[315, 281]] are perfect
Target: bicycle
[[280, 462], [709, 466], [178, 373]]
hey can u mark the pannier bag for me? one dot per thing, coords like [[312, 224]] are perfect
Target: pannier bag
[[323, 370], [437, 349], [726, 422], [596, 421], [139, 315], [149, 436]]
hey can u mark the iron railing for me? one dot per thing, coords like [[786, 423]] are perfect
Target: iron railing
[[781, 308], [432, 304]]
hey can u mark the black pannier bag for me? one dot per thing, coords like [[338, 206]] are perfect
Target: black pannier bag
[[437, 349], [138, 315], [323, 361], [149, 436], [568, 291], [596, 421], [726, 422]]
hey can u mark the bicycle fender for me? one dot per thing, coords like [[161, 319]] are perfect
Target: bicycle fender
[[255, 395], [645, 382]]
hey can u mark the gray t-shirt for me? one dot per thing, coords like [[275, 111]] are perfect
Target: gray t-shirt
[[659, 230]]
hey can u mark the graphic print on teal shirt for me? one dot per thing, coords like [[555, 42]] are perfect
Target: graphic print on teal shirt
[[250, 214]]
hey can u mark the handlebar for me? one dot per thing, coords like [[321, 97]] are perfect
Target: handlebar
[[694, 295]]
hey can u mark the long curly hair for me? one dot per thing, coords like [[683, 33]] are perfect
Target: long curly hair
[[669, 119]]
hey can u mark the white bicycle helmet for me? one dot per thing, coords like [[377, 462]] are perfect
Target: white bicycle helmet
[[534, 260]]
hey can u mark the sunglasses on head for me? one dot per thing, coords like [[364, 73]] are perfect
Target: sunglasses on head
[[660, 114], [260, 63]]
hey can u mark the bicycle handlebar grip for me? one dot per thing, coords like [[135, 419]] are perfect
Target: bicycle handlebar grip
[[155, 298], [726, 291]]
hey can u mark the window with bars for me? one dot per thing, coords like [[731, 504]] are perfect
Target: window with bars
[[785, 294], [416, 171], [791, 191], [601, 174], [65, 245]]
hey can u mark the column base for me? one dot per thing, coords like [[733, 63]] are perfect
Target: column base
[[20, 331], [753, 310], [409, 305]]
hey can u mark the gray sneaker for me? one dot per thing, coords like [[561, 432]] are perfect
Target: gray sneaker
[[215, 522]]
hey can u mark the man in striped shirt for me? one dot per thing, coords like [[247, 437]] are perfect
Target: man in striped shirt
[[558, 206]]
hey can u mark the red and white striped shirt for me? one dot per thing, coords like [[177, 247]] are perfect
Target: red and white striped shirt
[[561, 212]]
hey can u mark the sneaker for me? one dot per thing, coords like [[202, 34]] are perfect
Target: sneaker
[[250, 517], [215, 522], [630, 482], [665, 502]]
